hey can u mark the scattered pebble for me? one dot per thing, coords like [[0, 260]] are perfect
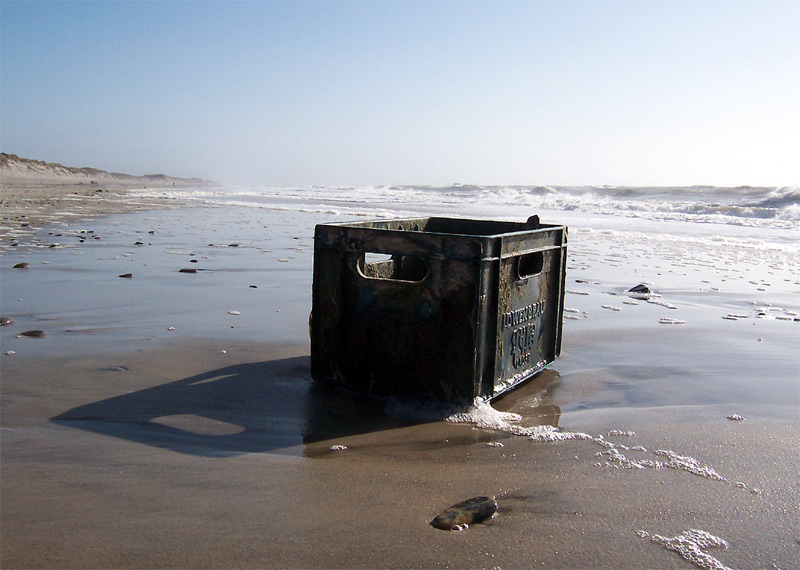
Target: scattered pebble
[[640, 291], [33, 333], [127, 275], [23, 265], [170, 328], [9, 353], [5, 321], [338, 447], [736, 418], [254, 286], [187, 270]]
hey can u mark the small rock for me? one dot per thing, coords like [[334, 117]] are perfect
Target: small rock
[[465, 513], [10, 353], [234, 313], [338, 447], [33, 334], [736, 418], [127, 275], [187, 270], [641, 291], [23, 265], [253, 286], [5, 321]]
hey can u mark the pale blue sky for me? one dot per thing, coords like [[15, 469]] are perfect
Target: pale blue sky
[[285, 93]]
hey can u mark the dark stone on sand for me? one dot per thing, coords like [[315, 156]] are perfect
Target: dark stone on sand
[[187, 270], [465, 513], [234, 245], [33, 334], [139, 242], [5, 321], [192, 261], [253, 286], [127, 275], [641, 288], [23, 265]]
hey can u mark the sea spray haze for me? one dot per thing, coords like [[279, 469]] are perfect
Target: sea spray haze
[[763, 207]]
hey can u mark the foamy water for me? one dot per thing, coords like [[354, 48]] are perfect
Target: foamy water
[[777, 207], [613, 455]]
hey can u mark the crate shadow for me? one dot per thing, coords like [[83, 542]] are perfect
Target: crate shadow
[[264, 407]]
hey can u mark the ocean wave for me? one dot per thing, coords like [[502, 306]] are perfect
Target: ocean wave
[[743, 205]]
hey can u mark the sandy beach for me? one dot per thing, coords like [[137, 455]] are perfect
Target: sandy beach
[[168, 419]]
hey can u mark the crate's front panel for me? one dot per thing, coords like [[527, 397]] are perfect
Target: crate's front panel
[[394, 330], [529, 311]]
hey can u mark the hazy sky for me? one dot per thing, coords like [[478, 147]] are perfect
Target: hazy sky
[[285, 93]]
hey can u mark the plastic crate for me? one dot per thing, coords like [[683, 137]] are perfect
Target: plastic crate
[[436, 308]]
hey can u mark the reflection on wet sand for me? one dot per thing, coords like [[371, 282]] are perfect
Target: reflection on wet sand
[[275, 407]]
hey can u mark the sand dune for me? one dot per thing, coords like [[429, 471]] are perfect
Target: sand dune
[[17, 170]]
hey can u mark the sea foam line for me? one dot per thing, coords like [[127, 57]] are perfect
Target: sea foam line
[[484, 416]]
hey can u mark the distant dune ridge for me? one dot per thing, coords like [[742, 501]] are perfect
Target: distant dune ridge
[[17, 170]]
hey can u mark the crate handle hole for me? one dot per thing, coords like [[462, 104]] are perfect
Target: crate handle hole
[[530, 264], [392, 267]]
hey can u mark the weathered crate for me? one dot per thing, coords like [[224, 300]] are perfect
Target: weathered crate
[[440, 308]]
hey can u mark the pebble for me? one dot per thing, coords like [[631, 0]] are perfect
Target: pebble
[[185, 270], [338, 447], [736, 418], [234, 313], [23, 265], [5, 321], [127, 275], [33, 333], [465, 513], [9, 353]]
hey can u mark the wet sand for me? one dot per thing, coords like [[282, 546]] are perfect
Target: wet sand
[[168, 420]]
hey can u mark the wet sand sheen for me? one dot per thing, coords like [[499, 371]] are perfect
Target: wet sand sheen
[[187, 455], [169, 419]]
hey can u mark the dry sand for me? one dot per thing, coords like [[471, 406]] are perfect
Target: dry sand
[[34, 194], [129, 445]]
